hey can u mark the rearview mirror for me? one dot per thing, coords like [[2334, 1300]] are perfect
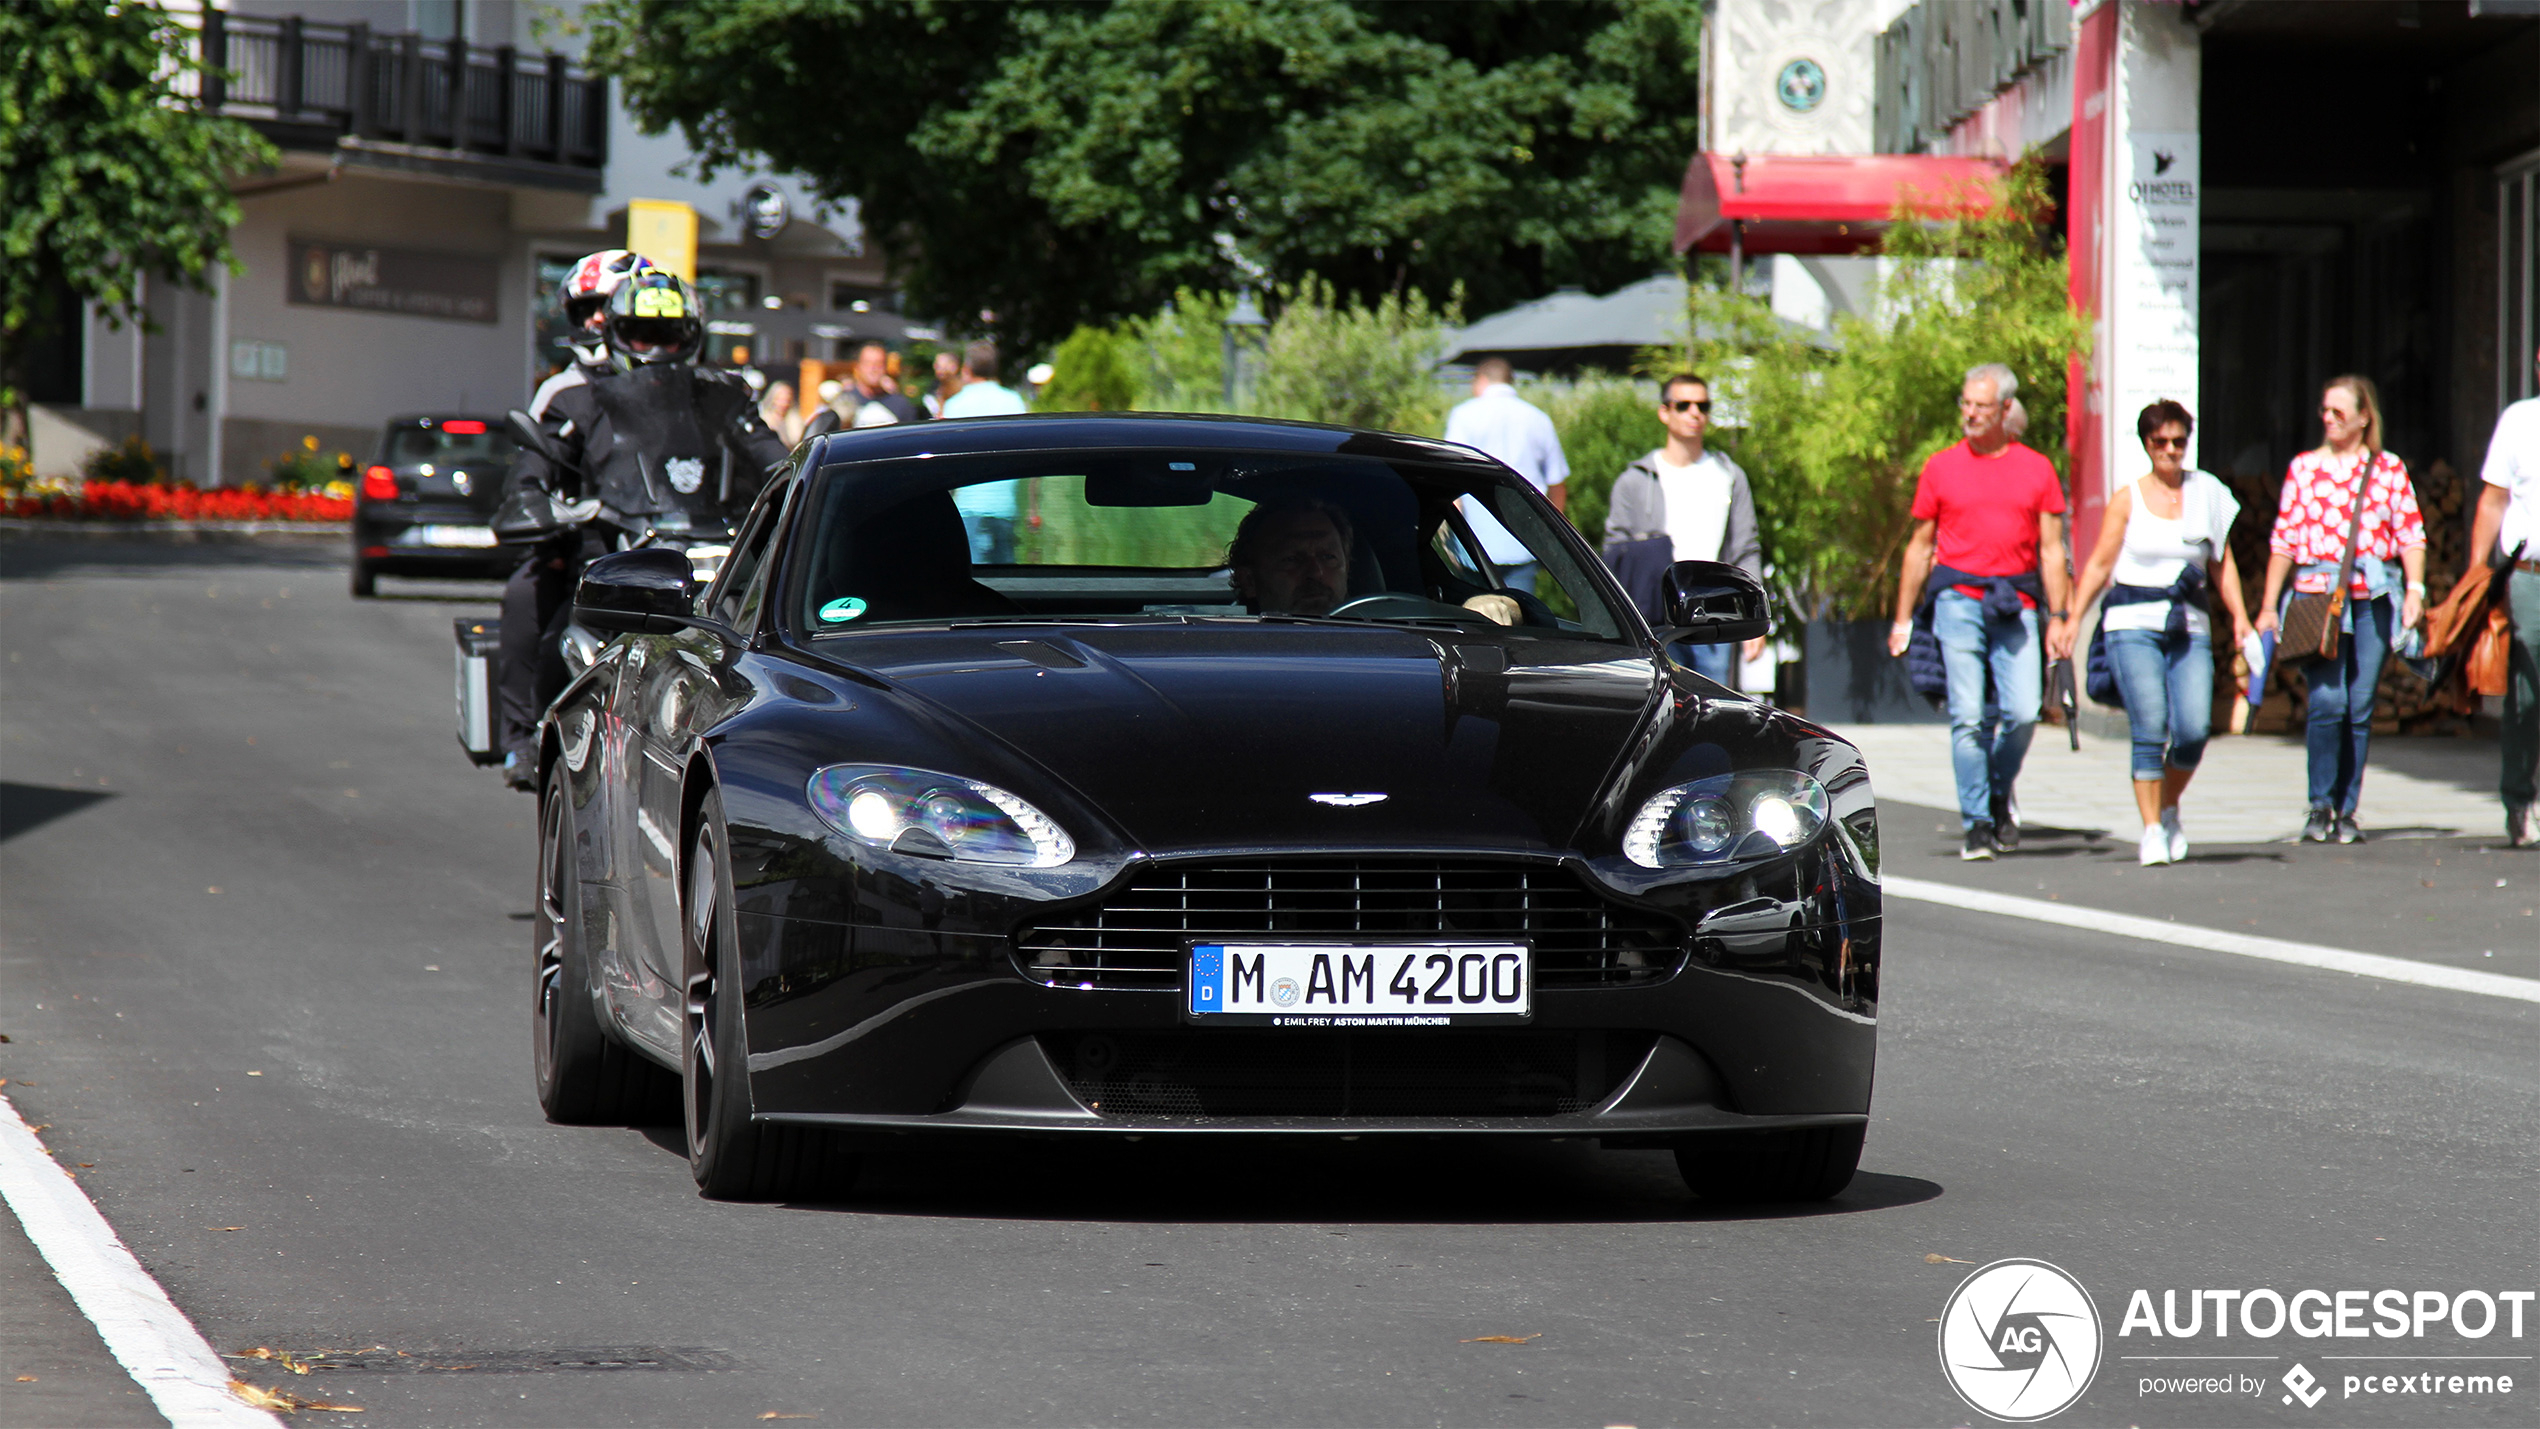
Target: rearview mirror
[[1712, 603], [652, 588]]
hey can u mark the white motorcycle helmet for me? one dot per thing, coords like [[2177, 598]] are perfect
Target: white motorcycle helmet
[[583, 298]]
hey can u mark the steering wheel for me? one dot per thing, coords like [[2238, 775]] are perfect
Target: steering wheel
[[1397, 606]]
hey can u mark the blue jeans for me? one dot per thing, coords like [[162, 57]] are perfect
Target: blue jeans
[[1988, 741], [991, 539], [1520, 577], [2167, 682], [2341, 699], [1711, 662]]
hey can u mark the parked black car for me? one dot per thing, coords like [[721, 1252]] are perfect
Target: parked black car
[[424, 504], [1333, 833]]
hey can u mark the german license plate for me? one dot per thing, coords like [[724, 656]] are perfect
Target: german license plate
[[1360, 984], [454, 535]]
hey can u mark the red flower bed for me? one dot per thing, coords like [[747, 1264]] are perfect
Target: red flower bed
[[124, 501]]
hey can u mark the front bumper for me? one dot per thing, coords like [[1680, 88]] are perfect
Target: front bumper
[[894, 1029], [1672, 1093]]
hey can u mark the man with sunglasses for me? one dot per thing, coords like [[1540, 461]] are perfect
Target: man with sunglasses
[[1683, 502], [1989, 541]]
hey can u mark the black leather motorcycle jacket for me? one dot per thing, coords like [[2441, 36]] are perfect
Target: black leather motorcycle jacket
[[674, 443]]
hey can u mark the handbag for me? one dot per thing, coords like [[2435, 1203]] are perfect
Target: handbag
[[2309, 627], [2491, 655]]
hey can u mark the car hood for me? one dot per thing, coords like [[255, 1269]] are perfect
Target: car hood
[[1223, 737]]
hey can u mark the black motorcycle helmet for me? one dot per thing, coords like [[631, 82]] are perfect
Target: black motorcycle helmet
[[653, 317]]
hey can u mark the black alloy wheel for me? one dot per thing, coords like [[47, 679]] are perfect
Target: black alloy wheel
[[585, 1076], [733, 1157], [1758, 1167]]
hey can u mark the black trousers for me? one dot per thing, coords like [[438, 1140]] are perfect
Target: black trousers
[[530, 670]]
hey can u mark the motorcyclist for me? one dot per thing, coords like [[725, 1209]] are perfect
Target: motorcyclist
[[583, 299], [658, 444]]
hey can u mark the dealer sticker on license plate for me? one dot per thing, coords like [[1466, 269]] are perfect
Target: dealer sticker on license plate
[[1360, 984]]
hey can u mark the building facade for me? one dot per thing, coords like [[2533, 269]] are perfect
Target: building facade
[[443, 162], [2259, 195]]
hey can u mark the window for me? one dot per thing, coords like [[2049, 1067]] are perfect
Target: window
[[1154, 535], [741, 586], [858, 298]]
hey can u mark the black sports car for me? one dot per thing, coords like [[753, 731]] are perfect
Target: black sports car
[[1243, 795]]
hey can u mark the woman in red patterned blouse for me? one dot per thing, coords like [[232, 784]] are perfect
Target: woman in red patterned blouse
[[2309, 541]]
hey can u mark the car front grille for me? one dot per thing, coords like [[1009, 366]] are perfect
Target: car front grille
[[1581, 939], [1260, 1073]]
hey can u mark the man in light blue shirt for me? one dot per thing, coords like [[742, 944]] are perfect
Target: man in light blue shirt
[[1499, 423], [987, 510]]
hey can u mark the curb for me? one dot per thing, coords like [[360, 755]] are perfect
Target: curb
[[287, 532]]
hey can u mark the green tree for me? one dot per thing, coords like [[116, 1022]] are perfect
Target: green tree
[[107, 171], [1351, 363], [1075, 163], [1178, 355], [1092, 373], [1834, 435]]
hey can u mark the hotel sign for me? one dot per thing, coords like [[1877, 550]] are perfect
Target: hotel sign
[[394, 280]]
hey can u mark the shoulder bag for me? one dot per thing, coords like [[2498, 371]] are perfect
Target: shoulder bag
[[2309, 627]]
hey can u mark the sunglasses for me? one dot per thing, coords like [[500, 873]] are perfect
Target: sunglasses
[[2166, 443], [1689, 404]]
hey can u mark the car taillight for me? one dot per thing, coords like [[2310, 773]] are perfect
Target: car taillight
[[379, 484], [461, 427]]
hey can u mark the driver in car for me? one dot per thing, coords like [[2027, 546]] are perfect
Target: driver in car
[[1290, 556]]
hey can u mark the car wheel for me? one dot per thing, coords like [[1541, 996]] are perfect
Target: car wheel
[[1745, 1167], [365, 580], [585, 1076], [733, 1157]]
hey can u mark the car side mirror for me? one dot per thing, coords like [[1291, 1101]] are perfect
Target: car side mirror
[[822, 423], [1712, 603], [652, 588]]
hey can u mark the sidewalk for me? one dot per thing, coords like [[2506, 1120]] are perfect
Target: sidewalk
[[2434, 880], [2249, 790]]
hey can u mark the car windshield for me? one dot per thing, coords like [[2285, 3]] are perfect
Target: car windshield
[[457, 443], [1160, 534]]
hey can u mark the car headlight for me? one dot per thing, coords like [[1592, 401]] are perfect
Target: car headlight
[[1727, 818], [931, 815]]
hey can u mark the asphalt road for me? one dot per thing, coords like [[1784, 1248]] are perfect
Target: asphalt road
[[264, 972]]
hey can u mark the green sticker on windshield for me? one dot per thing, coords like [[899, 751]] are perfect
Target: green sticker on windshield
[[844, 608]]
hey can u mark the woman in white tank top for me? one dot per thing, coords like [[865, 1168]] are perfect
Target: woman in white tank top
[[2167, 536]]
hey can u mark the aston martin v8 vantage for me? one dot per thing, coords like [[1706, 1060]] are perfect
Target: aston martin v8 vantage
[[1103, 775]]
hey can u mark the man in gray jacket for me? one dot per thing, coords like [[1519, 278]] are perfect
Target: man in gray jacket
[[1683, 503]]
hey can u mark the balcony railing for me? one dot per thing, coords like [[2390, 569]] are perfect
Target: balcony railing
[[296, 78]]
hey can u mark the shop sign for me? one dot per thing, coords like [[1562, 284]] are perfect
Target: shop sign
[[393, 280]]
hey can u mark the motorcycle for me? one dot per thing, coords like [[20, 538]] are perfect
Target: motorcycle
[[705, 545]]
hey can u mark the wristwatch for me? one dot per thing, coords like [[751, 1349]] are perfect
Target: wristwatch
[[2054, 615]]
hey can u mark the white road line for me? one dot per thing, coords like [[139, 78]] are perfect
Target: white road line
[[142, 1328], [2276, 950]]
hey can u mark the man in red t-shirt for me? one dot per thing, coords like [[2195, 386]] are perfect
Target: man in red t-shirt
[[1989, 525]]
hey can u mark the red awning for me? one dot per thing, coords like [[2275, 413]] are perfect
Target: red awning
[[1805, 203]]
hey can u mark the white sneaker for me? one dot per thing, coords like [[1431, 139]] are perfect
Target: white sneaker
[[2178, 836], [2156, 845]]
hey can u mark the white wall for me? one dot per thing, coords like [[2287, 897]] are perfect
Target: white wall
[[2153, 215], [349, 368], [1749, 44]]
